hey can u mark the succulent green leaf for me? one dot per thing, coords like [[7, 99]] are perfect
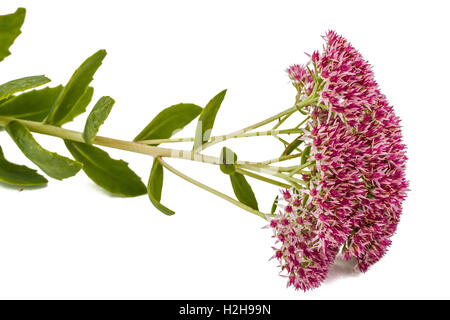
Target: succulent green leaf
[[291, 147], [3, 101], [274, 205], [305, 155], [51, 163], [206, 120], [243, 190], [241, 187], [112, 175], [32, 105], [169, 121], [10, 25], [75, 89], [9, 88], [18, 175], [97, 117], [154, 188], [79, 107], [228, 159]]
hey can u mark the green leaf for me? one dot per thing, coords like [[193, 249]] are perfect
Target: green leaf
[[75, 88], [243, 191], [9, 88], [3, 101], [291, 147], [154, 189], [52, 164], [9, 30], [206, 120], [112, 175], [228, 159], [32, 105], [241, 188], [168, 121], [79, 107], [18, 175], [305, 155], [97, 117], [274, 205]]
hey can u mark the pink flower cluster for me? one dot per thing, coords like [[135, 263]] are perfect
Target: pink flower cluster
[[357, 183], [301, 244]]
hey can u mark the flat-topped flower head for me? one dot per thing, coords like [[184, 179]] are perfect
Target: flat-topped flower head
[[357, 152]]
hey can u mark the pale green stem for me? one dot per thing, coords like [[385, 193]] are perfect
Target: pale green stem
[[274, 171], [283, 158], [211, 190], [294, 172], [171, 140], [299, 169], [296, 168], [306, 164], [262, 178], [54, 131], [287, 169], [254, 126], [284, 142], [225, 137], [310, 100], [280, 122], [268, 120], [159, 152], [306, 119]]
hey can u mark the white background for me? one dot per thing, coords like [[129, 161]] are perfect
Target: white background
[[72, 240]]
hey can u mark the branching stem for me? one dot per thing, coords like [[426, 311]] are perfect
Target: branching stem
[[225, 137], [145, 147], [211, 190]]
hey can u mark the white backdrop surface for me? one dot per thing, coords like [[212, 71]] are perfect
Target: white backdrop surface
[[73, 240]]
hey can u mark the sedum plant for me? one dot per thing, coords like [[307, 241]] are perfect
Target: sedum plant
[[341, 195]]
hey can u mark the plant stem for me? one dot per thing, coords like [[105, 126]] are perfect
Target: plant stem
[[284, 142], [309, 100], [262, 178], [54, 131], [211, 190], [145, 147], [306, 164], [62, 133], [304, 120], [254, 126], [283, 158], [280, 122], [274, 171], [268, 120], [225, 137], [297, 169]]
